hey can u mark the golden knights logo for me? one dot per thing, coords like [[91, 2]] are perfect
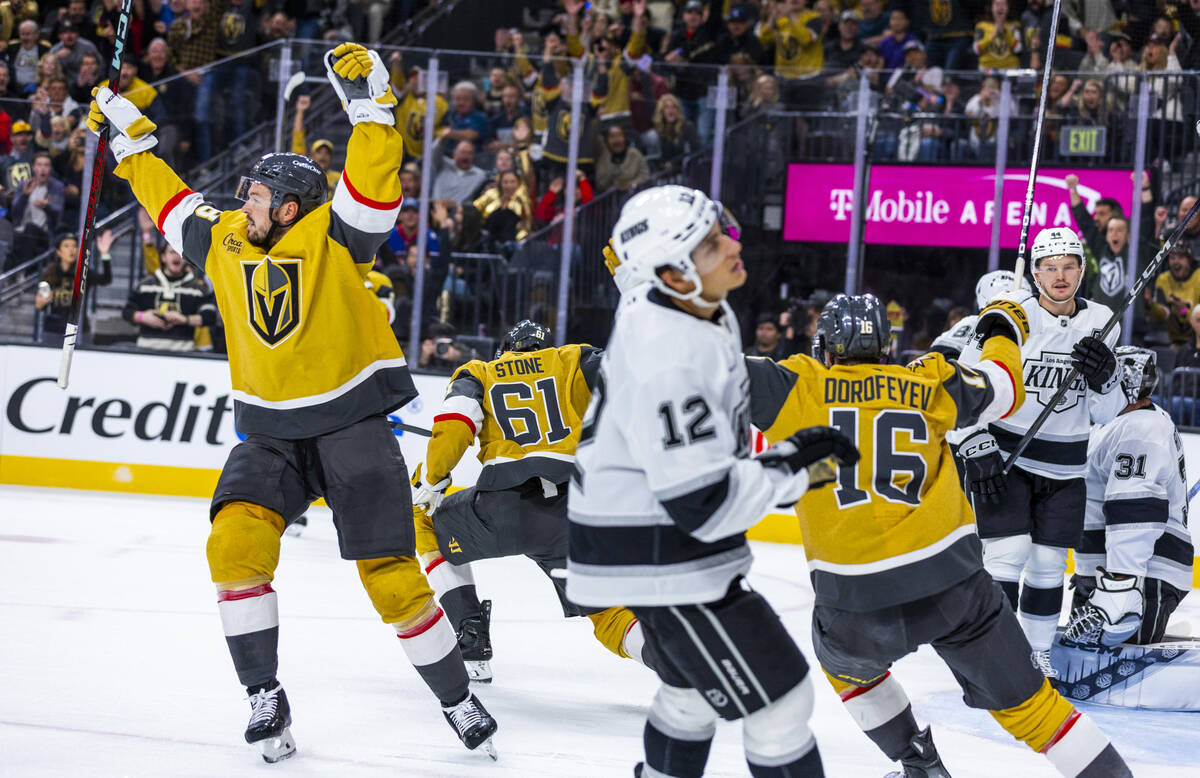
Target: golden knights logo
[[1045, 373], [273, 294]]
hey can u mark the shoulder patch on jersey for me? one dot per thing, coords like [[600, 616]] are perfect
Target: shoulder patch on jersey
[[1012, 312]]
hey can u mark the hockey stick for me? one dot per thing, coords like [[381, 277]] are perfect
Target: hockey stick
[[1019, 271], [399, 425], [81, 262], [1145, 278]]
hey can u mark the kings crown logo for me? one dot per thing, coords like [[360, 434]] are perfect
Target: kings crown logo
[[273, 295]]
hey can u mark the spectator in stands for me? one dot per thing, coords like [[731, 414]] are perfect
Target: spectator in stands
[[169, 304], [466, 121], [874, 24], [842, 54], [506, 210], [176, 96], [193, 39], [1187, 354], [672, 137], [557, 147], [23, 55], [1175, 293], [694, 42], [894, 39], [500, 123], [49, 68], [460, 180], [620, 165], [80, 87], [1165, 92], [54, 142], [493, 89], [743, 74], [795, 33], [17, 166], [1191, 233], [68, 168], [410, 88], [554, 52], [441, 352], [983, 109], [738, 37], [36, 209], [553, 203], [765, 97], [946, 27], [71, 49], [407, 230], [998, 40], [1094, 61], [410, 182], [1091, 106], [58, 282], [322, 148], [768, 338]]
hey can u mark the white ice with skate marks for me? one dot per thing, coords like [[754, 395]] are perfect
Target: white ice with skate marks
[[113, 663]]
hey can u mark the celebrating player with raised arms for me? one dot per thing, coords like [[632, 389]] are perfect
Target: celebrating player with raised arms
[[893, 555], [314, 369], [525, 409], [1031, 517]]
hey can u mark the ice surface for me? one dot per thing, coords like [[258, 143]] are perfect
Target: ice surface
[[112, 663]]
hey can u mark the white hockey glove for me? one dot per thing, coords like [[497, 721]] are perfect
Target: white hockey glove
[[360, 79], [1112, 615], [984, 466], [622, 277], [131, 131], [428, 496], [814, 451], [1097, 363]]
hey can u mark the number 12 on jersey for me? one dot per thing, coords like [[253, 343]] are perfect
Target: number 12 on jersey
[[878, 442]]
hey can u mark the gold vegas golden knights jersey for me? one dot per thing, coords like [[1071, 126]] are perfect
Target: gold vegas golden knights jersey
[[896, 526], [309, 351], [525, 407]]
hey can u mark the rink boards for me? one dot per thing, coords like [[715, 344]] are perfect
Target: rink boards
[[164, 425]]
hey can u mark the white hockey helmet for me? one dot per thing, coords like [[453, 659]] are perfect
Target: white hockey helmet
[[1056, 242], [662, 226], [994, 283]]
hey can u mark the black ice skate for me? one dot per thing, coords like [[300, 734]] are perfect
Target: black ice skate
[[270, 717], [473, 724], [926, 763], [475, 644]]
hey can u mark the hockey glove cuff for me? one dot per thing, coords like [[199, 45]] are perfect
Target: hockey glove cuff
[[428, 496], [132, 132], [360, 79], [816, 452], [622, 277], [984, 465], [1096, 362], [1005, 318]]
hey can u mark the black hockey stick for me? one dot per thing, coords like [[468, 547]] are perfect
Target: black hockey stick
[[399, 425], [1145, 278], [81, 262]]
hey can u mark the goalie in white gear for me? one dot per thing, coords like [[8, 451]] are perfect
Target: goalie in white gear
[[1031, 517], [664, 490], [953, 341], [1135, 562]]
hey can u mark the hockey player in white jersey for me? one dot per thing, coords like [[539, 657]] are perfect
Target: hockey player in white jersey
[[664, 490], [954, 340], [1134, 564], [1031, 517]]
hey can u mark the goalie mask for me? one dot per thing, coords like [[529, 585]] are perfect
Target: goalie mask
[[1056, 242], [661, 227], [1139, 371], [525, 336], [853, 328], [995, 283]]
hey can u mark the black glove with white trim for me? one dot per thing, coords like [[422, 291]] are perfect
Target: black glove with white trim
[[984, 465], [1096, 362], [810, 449]]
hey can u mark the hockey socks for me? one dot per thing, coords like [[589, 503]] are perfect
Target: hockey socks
[[883, 712], [432, 647], [674, 754], [777, 739], [250, 618], [1042, 595]]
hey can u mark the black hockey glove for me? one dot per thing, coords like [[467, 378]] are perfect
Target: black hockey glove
[[984, 466], [808, 449], [1096, 362]]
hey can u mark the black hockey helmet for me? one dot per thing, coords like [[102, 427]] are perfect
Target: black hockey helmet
[[525, 336], [852, 328], [287, 174], [1139, 371]]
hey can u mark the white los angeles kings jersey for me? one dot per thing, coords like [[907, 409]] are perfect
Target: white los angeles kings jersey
[[1136, 520], [664, 489], [954, 341], [1059, 450]]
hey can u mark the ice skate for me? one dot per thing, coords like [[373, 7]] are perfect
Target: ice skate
[[927, 763], [475, 644], [473, 724], [1041, 660], [270, 717], [296, 527]]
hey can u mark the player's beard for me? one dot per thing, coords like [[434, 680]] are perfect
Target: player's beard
[[258, 234]]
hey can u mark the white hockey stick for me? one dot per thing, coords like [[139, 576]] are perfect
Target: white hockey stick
[[1019, 272]]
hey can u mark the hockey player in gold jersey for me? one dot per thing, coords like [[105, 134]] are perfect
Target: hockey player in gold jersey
[[314, 369], [893, 553], [525, 407]]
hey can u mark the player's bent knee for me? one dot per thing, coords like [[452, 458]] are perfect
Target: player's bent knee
[[683, 714], [426, 537], [611, 626], [397, 589], [1005, 558], [781, 728], [1036, 721], [1046, 567], [243, 545]]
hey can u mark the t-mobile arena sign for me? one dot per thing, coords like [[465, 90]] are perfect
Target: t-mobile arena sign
[[912, 205]]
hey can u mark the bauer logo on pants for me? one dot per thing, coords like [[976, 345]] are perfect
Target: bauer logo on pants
[[273, 294]]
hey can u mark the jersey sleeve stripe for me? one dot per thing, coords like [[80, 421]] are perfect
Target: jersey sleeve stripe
[[174, 201], [456, 417], [375, 219]]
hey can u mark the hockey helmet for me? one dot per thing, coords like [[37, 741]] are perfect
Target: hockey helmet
[[1056, 242], [1139, 371], [525, 336], [287, 174], [993, 284], [660, 227], [852, 328]]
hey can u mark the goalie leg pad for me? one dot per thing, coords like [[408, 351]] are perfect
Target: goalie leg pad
[[1042, 595], [883, 712], [678, 733], [612, 627], [398, 590], [1037, 720], [1004, 559], [777, 737]]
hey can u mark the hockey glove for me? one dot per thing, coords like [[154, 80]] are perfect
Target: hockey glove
[[1096, 362], [132, 132], [1005, 318], [810, 450], [360, 79], [1111, 616], [428, 496], [984, 466]]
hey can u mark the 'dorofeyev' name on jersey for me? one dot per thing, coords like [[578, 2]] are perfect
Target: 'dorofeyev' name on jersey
[[1060, 448]]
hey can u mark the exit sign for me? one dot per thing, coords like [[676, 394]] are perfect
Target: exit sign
[[1082, 141]]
